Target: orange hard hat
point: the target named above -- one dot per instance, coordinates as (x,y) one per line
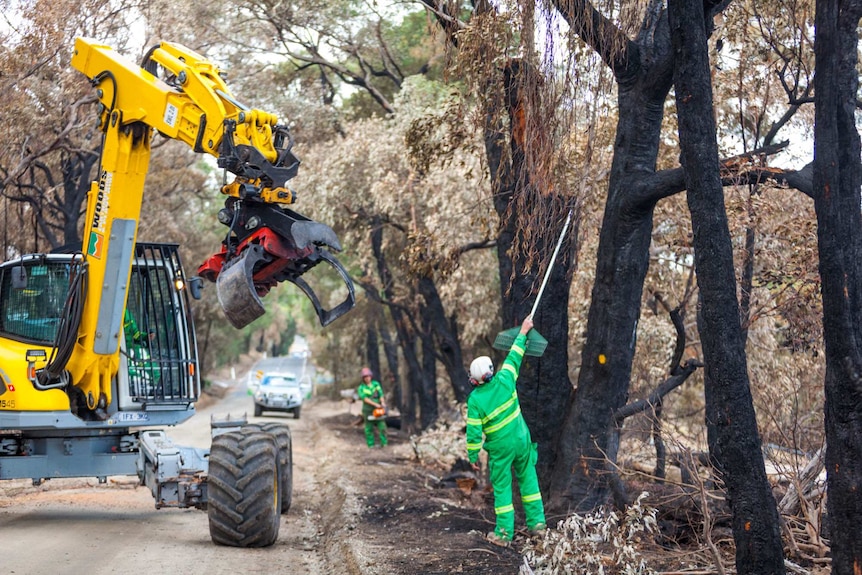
(367,372)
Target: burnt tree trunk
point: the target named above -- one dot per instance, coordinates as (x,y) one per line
(427,389)
(543,383)
(837,179)
(445,333)
(728,396)
(390,350)
(405,337)
(643,70)
(372,350)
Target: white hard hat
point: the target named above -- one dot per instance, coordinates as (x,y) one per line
(482,369)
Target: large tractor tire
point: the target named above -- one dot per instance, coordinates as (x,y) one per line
(284,442)
(243,489)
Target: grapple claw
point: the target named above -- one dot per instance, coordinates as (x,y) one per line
(328,316)
(271,245)
(235,288)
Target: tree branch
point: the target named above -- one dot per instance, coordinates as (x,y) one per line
(677,321)
(480,245)
(654,398)
(609,42)
(450,24)
(363,214)
(679,373)
(735,170)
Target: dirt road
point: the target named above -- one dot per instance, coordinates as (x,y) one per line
(355,511)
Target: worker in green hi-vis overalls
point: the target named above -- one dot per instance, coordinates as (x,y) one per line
(141,368)
(371,395)
(493,410)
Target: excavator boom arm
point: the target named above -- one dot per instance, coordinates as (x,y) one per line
(181,95)
(191,109)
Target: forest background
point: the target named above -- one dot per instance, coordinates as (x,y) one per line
(445,143)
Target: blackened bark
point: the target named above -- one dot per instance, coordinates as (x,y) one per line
(712,414)
(643,70)
(408,396)
(428,407)
(408,388)
(755,516)
(660,449)
(392,380)
(543,383)
(445,333)
(837,179)
(372,349)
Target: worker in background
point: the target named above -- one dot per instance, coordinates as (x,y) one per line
(493,410)
(371,395)
(137,350)
(132,333)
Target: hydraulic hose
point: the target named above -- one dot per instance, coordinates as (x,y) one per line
(54,375)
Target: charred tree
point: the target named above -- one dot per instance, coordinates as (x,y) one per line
(729,405)
(429,408)
(643,68)
(392,381)
(543,382)
(837,180)
(56,195)
(444,330)
(372,350)
(519,198)
(405,337)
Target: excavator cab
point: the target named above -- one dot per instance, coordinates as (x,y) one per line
(41,308)
(32,295)
(158,345)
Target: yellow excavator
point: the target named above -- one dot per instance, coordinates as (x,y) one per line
(98,346)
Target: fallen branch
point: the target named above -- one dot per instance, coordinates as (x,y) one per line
(803,484)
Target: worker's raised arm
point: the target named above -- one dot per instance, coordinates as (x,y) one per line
(512,364)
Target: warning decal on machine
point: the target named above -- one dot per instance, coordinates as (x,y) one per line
(171,113)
